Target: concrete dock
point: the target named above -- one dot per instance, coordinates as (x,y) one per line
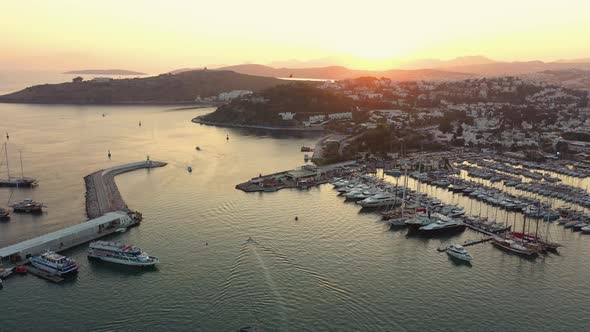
(104,206)
(102,194)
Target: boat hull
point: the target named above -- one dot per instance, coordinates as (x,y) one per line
(113,260)
(455,229)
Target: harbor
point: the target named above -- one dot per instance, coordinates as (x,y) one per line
(106,209)
(498,185)
(375,277)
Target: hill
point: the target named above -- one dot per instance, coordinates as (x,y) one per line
(104,72)
(263,108)
(165,88)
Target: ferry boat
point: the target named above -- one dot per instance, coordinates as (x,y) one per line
(115,252)
(55,264)
(459,252)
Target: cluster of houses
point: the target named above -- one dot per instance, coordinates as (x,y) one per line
(503,112)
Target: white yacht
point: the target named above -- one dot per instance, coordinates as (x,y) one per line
(115,252)
(459,252)
(378,200)
(54,264)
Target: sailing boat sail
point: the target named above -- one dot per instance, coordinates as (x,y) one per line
(21,181)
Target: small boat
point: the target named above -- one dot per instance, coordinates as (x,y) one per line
(198,148)
(250,240)
(54,264)
(121,230)
(20,269)
(189,169)
(4,214)
(459,252)
(305,149)
(115,252)
(28,206)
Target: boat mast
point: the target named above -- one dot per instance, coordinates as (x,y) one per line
(7,167)
(22,173)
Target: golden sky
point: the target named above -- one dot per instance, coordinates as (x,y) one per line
(160,35)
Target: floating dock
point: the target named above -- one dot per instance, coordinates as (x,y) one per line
(102,194)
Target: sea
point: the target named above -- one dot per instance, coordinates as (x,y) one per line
(335,268)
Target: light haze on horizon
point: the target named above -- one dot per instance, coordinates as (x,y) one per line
(156,36)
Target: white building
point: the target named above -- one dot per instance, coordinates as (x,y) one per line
(340,116)
(227,96)
(317,118)
(287,116)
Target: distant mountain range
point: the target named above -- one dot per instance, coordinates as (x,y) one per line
(104,72)
(166,88)
(425,69)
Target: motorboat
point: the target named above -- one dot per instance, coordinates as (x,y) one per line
(442,226)
(115,252)
(54,264)
(379,200)
(27,206)
(459,252)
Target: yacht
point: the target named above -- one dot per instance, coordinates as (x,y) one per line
(378,200)
(457,251)
(55,264)
(115,252)
(442,226)
(513,246)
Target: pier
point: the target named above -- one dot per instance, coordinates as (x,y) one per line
(105,207)
(102,194)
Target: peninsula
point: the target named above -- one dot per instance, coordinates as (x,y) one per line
(183,88)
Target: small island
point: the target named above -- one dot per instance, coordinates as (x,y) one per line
(121,72)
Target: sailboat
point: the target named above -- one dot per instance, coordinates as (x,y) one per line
(21,181)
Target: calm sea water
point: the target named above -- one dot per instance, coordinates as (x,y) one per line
(333,269)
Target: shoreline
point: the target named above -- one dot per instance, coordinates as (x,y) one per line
(220,124)
(132,103)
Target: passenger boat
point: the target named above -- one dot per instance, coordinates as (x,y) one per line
(54,264)
(115,252)
(27,206)
(459,252)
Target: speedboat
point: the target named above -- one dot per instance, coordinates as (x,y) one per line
(115,252)
(54,264)
(459,252)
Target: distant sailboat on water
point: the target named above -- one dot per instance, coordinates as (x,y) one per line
(21,181)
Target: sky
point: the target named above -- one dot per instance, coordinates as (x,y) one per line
(157,36)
